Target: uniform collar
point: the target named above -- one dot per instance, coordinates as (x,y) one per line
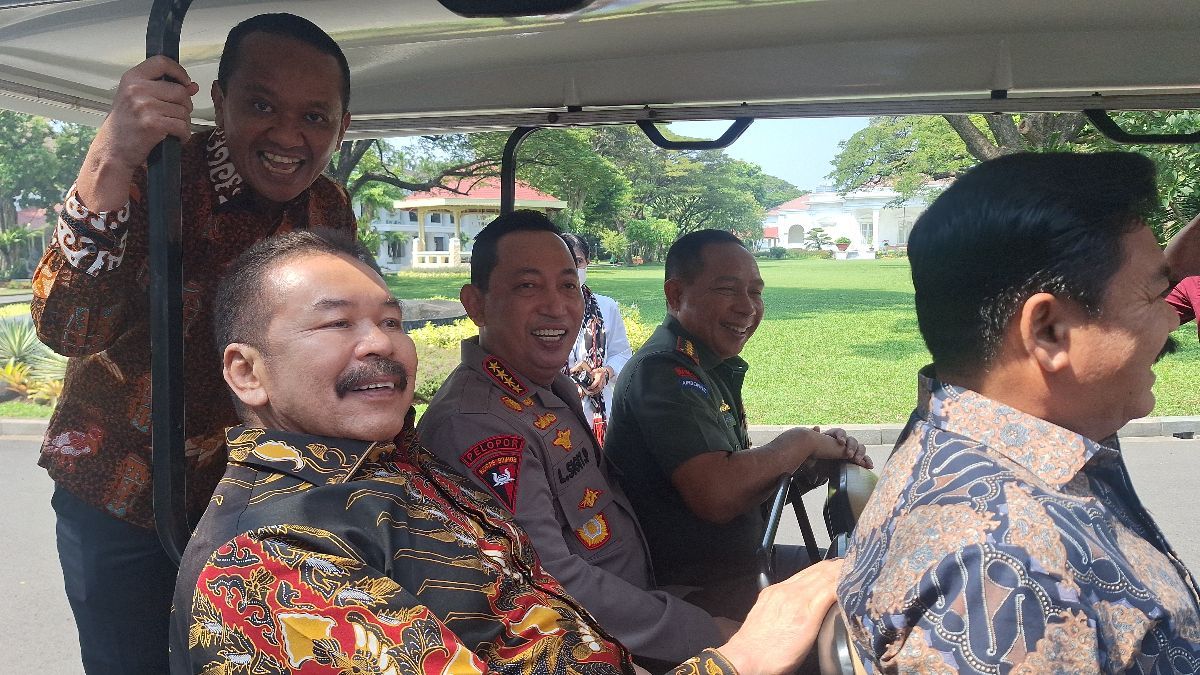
(1050,452)
(313,459)
(510,381)
(697,351)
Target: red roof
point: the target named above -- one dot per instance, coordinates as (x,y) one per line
(770,233)
(798,204)
(486,188)
(34,219)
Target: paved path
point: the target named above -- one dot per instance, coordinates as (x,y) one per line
(37,633)
(16,297)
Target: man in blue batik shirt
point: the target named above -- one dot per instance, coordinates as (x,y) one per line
(1005,535)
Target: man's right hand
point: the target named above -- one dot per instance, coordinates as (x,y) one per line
(783,624)
(146,110)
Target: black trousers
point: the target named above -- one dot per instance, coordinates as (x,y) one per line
(119,583)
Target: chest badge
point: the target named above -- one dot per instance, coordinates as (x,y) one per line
(590,497)
(594,533)
(543,422)
(511,404)
(562,438)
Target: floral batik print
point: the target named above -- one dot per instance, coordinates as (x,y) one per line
(90,302)
(997,542)
(331,556)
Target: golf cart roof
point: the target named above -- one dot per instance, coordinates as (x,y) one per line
(418,67)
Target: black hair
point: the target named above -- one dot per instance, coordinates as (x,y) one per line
(577,244)
(287,25)
(238,309)
(485,250)
(1015,226)
(685,257)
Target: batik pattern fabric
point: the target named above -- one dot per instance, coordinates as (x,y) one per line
(91,303)
(997,542)
(332,556)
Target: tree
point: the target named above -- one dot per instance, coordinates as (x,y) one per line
(39,160)
(816,239)
(432,161)
(909,152)
(650,237)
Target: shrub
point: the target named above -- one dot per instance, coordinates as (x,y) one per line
(435,364)
(18,340)
(15,377)
(804,254)
(842,240)
(46,391)
(444,337)
(635,330)
(777,252)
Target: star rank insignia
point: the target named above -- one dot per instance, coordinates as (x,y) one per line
(562,438)
(543,422)
(590,497)
(511,404)
(497,371)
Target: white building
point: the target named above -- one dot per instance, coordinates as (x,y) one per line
(434,229)
(871,219)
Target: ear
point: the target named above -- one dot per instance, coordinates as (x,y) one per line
(243,371)
(345,126)
(1044,324)
(472,300)
(218,98)
(673,288)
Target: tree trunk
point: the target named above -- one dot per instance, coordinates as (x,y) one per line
(978,144)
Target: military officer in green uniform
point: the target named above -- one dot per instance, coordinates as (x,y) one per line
(509,418)
(678,434)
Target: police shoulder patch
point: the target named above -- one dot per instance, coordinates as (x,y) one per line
(496,462)
(594,533)
(496,370)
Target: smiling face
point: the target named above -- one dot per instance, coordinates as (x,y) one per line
(282,114)
(334,359)
(1112,356)
(533,307)
(722,306)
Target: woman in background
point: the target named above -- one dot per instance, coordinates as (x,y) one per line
(601,349)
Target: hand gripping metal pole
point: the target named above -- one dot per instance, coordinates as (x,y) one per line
(166,305)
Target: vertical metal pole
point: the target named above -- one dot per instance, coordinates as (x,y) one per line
(508,168)
(166,305)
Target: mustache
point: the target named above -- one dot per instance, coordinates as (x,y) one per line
(1171,346)
(373,370)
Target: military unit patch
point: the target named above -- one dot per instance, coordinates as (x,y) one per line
(497,371)
(689,380)
(543,422)
(687,348)
(594,533)
(496,461)
(511,404)
(590,497)
(562,438)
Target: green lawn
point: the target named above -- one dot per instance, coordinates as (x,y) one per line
(839,343)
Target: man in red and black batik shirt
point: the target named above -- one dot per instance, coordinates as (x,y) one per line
(258,173)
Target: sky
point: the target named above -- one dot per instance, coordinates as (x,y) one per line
(798,151)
